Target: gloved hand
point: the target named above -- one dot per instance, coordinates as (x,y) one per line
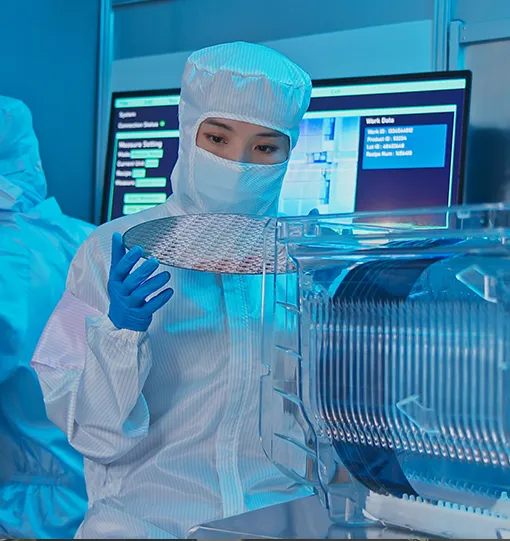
(324,230)
(128,290)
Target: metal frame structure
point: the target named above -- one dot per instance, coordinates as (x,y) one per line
(105,61)
(451,37)
(442,18)
(462,35)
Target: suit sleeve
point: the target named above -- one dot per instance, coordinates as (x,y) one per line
(91,373)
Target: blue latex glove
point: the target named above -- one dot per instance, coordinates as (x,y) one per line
(128,290)
(325,230)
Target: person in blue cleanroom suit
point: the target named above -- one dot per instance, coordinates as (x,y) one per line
(42,490)
(162,396)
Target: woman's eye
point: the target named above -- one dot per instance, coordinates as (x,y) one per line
(216,139)
(267,149)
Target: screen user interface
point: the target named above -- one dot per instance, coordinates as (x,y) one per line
(377,146)
(365,145)
(144,140)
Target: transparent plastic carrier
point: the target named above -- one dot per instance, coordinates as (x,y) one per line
(387,351)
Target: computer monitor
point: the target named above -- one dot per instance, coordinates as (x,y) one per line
(142,151)
(380,143)
(366,144)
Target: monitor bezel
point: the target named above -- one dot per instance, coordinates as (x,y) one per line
(318,83)
(111,130)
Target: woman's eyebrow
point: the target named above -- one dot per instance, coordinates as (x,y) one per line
(270,134)
(219,124)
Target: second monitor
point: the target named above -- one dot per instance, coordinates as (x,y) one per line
(380,143)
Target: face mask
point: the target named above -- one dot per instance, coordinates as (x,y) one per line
(224,186)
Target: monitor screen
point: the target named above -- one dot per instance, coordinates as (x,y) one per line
(368,144)
(380,143)
(142,151)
